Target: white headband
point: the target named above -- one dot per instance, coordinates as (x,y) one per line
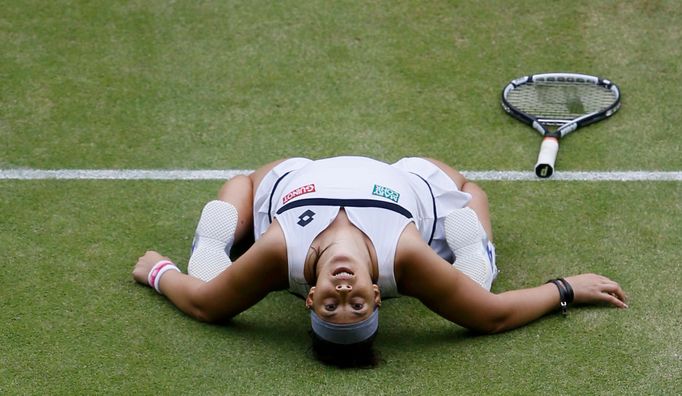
(345,333)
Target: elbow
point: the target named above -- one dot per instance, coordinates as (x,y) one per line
(490,326)
(201,309)
(497,326)
(497,320)
(208,315)
(203,315)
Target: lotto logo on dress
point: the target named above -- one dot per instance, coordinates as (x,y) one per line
(298,192)
(385,192)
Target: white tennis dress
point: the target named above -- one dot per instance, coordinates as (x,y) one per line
(380,199)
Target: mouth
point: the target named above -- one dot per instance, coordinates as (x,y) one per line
(343,273)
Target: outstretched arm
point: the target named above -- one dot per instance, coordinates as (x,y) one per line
(249,279)
(421,273)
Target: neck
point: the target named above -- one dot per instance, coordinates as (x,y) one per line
(341,238)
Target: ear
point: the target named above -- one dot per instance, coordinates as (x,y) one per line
(377,295)
(309,298)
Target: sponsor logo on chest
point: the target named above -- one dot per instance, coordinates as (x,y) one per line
(298,192)
(385,192)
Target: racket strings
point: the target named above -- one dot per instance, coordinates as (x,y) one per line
(560,101)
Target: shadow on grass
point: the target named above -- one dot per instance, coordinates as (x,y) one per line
(279,324)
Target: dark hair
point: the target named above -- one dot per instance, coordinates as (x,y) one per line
(358,355)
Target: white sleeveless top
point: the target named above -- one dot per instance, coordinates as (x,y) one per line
(377,199)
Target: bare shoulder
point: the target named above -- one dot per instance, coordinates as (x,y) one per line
(416,264)
(259,271)
(423,274)
(266,260)
(410,244)
(273,242)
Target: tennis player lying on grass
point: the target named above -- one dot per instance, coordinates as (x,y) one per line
(344,232)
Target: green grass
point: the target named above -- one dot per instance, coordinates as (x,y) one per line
(151,84)
(72,317)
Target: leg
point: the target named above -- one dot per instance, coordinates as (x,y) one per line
(469,232)
(259,174)
(479,199)
(239,191)
(479,204)
(225,227)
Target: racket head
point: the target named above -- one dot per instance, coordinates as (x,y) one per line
(563,101)
(556,104)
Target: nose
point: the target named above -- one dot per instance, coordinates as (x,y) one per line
(344,288)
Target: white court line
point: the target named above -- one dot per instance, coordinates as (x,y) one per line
(120,174)
(180,174)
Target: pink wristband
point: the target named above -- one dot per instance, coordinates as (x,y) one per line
(157,270)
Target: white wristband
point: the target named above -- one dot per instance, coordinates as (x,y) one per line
(157,271)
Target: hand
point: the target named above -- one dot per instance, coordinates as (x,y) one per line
(145,264)
(593,289)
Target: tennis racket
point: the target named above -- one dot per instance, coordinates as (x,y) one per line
(556,104)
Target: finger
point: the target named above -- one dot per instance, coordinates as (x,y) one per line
(613,300)
(614,289)
(612,293)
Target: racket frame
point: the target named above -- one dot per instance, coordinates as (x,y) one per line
(549,147)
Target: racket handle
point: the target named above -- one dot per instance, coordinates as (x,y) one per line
(548,151)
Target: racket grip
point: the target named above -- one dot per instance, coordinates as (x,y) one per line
(548,152)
